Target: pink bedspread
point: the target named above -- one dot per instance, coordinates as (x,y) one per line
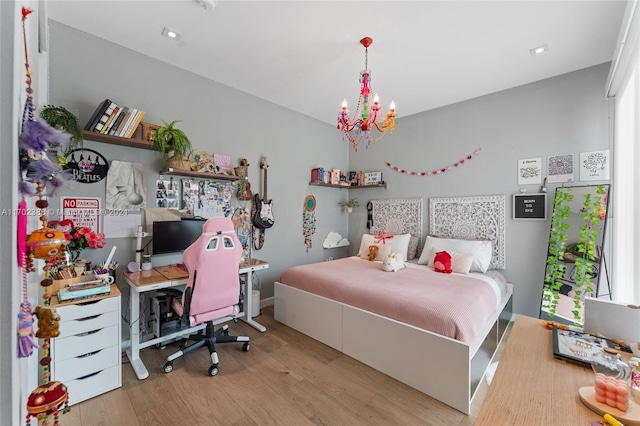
(452,305)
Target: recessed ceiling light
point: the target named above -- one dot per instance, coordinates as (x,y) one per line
(168,32)
(539,50)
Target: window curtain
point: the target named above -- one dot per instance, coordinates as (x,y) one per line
(624,86)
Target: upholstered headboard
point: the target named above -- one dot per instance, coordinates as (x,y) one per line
(471,218)
(399,216)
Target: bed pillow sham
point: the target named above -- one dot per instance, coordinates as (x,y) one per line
(480,250)
(399,244)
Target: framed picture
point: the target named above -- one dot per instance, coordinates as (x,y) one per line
(594,165)
(560,168)
(530,206)
(577,347)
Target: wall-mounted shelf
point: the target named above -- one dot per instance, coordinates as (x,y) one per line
(379,185)
(202,175)
(117,140)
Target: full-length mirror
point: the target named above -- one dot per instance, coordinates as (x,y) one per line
(574,257)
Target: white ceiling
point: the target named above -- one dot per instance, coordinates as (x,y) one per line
(306,55)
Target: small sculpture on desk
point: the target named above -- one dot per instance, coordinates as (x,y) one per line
(48,322)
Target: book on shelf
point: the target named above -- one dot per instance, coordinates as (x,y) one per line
(107,125)
(135,122)
(114,126)
(127,126)
(105,118)
(97,114)
(117,126)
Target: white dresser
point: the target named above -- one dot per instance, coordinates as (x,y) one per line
(86,357)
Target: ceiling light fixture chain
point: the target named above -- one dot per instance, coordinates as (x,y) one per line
(365,115)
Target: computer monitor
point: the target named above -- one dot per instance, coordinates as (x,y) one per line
(175,236)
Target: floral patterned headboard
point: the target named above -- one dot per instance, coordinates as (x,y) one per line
(472,218)
(399,216)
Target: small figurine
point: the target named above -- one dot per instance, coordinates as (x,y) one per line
(48,322)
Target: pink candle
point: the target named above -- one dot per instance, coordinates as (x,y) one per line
(611,391)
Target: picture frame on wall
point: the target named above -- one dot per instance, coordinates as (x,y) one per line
(530,171)
(560,168)
(530,206)
(594,165)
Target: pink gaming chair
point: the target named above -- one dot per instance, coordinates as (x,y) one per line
(212,292)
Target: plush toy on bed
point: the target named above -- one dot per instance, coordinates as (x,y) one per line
(442,262)
(393,262)
(373,252)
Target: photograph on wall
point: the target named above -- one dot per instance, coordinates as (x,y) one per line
(560,168)
(530,171)
(206,198)
(167,194)
(125,186)
(594,165)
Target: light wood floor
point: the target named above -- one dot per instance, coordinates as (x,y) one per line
(286,378)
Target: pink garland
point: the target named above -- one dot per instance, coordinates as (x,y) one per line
(435,172)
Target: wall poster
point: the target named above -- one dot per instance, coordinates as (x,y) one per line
(594,165)
(560,168)
(207,198)
(530,171)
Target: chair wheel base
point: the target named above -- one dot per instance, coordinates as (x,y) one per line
(246,347)
(168,367)
(213,370)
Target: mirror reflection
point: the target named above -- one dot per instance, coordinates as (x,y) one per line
(574,257)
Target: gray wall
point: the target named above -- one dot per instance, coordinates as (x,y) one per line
(567,114)
(85,70)
(562,115)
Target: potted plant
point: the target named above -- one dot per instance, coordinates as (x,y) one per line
(60,118)
(350,204)
(170,136)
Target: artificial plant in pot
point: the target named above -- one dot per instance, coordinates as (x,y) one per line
(350,204)
(60,118)
(169,136)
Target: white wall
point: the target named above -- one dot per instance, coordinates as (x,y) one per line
(567,114)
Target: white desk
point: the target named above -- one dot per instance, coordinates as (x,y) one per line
(153,280)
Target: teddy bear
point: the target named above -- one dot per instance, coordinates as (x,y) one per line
(48,325)
(442,262)
(393,262)
(373,252)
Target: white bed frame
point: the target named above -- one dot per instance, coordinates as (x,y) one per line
(443,368)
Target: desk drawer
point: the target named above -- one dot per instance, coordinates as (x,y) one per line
(96,384)
(80,366)
(88,309)
(80,344)
(85,324)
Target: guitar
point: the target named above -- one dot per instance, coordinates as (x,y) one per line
(244,193)
(263,209)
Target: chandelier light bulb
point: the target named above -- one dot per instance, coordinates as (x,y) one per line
(376,99)
(344,103)
(392,107)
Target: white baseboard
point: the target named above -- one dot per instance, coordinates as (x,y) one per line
(266,302)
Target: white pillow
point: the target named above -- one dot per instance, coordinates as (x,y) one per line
(460,262)
(383,251)
(481,251)
(399,244)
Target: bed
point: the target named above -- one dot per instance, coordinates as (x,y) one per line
(396,322)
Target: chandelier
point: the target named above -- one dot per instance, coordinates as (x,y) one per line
(366,116)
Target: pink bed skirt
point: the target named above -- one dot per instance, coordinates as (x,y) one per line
(452,305)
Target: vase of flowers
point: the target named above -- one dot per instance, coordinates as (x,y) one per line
(78,238)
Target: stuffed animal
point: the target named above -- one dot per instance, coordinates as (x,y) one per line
(442,262)
(393,263)
(47,322)
(373,252)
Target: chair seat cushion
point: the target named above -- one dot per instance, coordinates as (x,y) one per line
(228,311)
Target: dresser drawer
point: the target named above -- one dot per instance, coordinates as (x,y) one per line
(88,309)
(80,344)
(83,365)
(95,384)
(85,324)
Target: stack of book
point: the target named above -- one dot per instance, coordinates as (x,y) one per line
(112,119)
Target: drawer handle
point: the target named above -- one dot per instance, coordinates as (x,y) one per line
(89,318)
(89,375)
(87,333)
(91,302)
(89,354)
